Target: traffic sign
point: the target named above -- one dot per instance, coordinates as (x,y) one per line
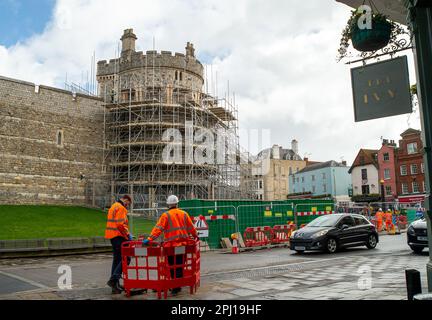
(201,226)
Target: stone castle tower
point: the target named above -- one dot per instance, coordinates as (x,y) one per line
(139,71)
(146,95)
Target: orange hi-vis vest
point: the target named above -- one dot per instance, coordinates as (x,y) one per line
(379,216)
(176,226)
(117,222)
(388,217)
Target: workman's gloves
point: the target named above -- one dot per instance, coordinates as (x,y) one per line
(146,242)
(130,237)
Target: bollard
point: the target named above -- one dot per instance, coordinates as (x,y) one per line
(413,283)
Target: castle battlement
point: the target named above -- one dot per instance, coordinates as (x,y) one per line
(152,58)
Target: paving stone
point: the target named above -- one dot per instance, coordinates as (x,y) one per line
(244,292)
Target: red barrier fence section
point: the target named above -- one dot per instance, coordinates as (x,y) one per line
(282,234)
(160,268)
(258,236)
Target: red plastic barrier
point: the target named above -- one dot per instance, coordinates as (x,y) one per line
(258,236)
(282,234)
(402,221)
(155,267)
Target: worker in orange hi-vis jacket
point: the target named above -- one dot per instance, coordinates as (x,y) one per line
(389,220)
(177,227)
(117,231)
(379,218)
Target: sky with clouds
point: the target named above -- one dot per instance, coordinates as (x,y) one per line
(278,55)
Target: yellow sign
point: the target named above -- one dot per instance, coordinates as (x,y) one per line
(211,211)
(290,213)
(268,214)
(314,209)
(278,215)
(329,208)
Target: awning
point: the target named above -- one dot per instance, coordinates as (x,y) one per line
(412,198)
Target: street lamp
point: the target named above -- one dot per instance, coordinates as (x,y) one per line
(382,194)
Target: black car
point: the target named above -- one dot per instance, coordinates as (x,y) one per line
(417,235)
(332,232)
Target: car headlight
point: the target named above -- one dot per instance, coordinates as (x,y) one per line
(293,234)
(411,231)
(320,234)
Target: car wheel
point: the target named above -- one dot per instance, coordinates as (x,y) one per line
(372,242)
(332,245)
(417,249)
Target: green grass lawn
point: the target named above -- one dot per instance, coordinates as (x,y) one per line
(35,222)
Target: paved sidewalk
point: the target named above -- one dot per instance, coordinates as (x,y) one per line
(330,279)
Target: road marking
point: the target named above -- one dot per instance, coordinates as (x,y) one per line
(272,266)
(31,282)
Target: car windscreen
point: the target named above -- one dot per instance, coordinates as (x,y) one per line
(325,221)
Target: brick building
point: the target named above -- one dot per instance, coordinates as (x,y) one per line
(410,167)
(387,169)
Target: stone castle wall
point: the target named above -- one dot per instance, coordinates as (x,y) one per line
(36,167)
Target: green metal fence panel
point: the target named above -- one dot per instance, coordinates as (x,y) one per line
(221,221)
(411,215)
(264,215)
(308,211)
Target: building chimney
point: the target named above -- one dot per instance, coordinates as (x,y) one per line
(190,50)
(344,163)
(294,146)
(276,152)
(306,159)
(128,40)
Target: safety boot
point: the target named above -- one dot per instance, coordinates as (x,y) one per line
(115,286)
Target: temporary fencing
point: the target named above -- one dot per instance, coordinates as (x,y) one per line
(258,236)
(282,234)
(307,212)
(221,221)
(266,214)
(160,268)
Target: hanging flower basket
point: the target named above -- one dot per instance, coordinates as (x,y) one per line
(383,33)
(371,39)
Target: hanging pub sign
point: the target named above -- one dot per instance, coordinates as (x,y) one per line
(381,89)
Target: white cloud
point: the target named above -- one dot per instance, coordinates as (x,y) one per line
(278,55)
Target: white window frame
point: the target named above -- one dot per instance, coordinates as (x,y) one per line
(388,177)
(403,189)
(414,165)
(415,183)
(403,172)
(386,190)
(413,151)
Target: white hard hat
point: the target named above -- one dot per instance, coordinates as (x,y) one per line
(172,200)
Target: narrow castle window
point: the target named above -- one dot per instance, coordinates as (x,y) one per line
(181,76)
(176,75)
(60,138)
